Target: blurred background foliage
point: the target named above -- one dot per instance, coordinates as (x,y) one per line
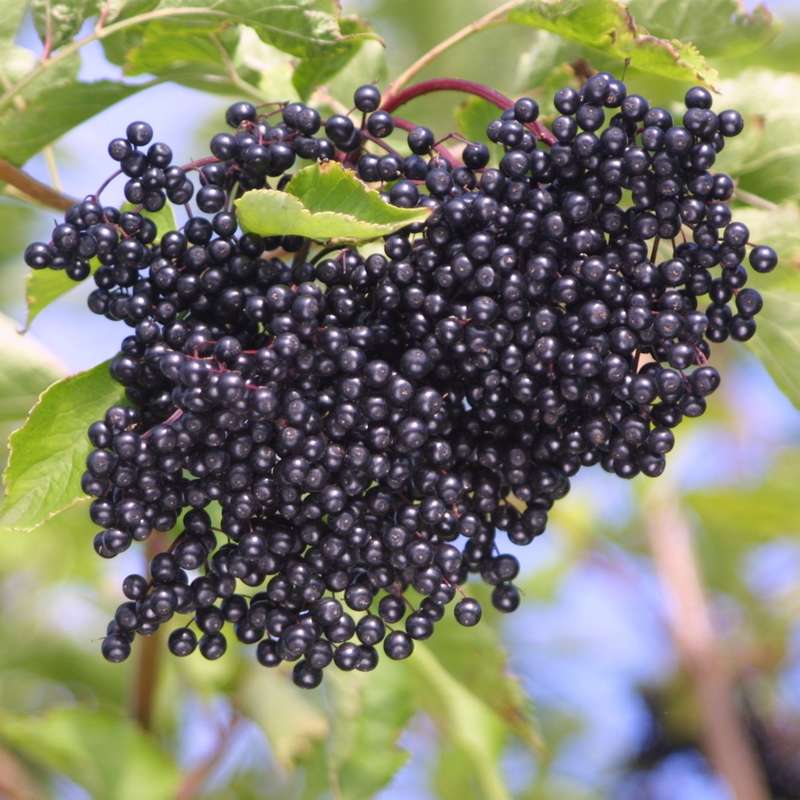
(584,693)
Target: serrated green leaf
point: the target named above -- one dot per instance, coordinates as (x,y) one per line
(48,453)
(318,68)
(104,752)
(719,28)
(194,52)
(44,286)
(608,26)
(26,368)
(60,20)
(323,202)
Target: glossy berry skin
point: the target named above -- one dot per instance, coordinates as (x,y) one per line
(468,612)
(398,645)
(139,133)
(239,113)
(115,649)
(367,98)
(182,642)
(38,255)
(505,598)
(763,259)
(305,676)
(420,140)
(361,420)
(380,124)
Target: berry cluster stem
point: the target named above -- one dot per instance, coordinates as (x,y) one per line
(400,98)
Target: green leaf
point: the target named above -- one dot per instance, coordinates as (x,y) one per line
(473,116)
(60,20)
(44,286)
(54,94)
(22,133)
(367,65)
(367,713)
(54,663)
(607,25)
(465,722)
(752,514)
(104,752)
(719,28)
(777,340)
(488,677)
(26,368)
(324,202)
(544,66)
(48,452)
(190,51)
(779,227)
(303,28)
(11,15)
(781,55)
(63,550)
(290,720)
(736,519)
(764,157)
(320,67)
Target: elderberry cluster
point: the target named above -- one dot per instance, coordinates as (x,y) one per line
(340,439)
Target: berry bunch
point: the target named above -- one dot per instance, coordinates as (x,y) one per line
(378,427)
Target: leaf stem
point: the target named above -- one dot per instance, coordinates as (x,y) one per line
(468,30)
(404,96)
(233,75)
(34,189)
(103,31)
